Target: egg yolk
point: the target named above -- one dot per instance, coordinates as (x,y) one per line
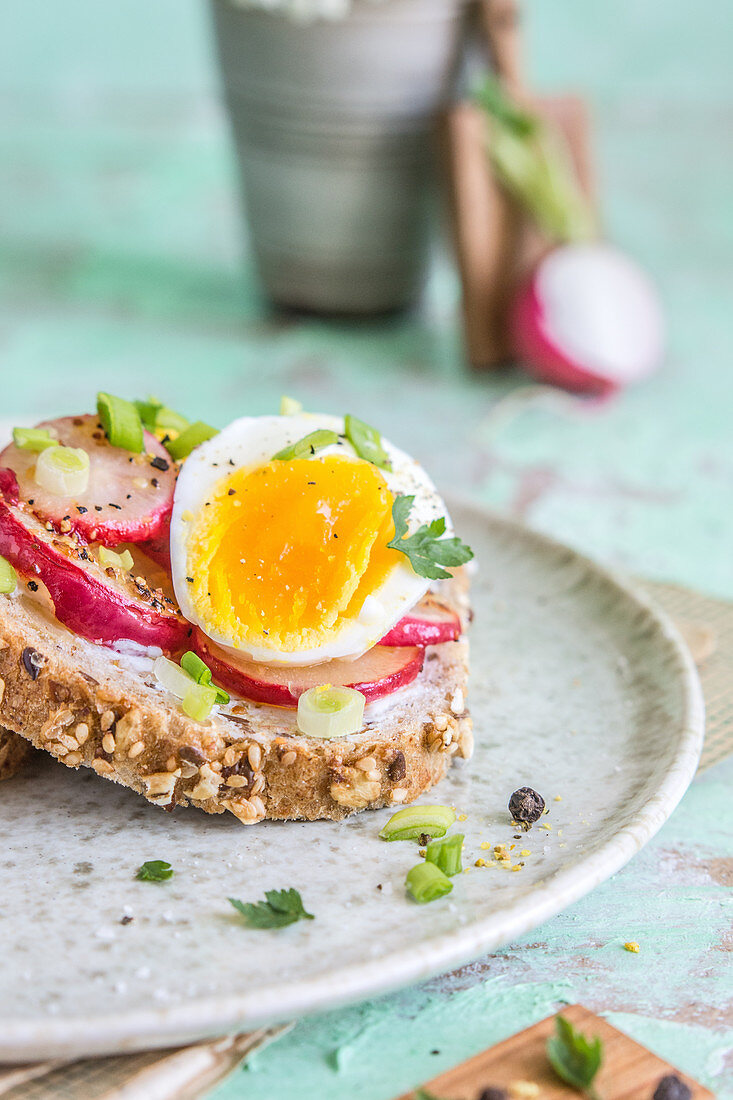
(284,553)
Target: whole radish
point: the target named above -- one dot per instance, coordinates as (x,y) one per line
(586,317)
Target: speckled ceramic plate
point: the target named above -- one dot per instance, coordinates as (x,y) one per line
(578,688)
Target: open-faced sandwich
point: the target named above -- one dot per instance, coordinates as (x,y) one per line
(267,620)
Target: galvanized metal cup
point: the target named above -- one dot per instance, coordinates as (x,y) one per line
(332,121)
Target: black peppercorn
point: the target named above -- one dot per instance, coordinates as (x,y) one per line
(526,805)
(424,839)
(671,1088)
(493,1094)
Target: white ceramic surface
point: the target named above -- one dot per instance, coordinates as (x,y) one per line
(578,689)
(332,123)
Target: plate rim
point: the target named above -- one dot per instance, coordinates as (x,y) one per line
(199,1018)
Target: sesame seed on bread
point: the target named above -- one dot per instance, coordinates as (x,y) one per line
(91,706)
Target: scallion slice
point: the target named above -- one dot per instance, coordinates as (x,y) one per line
(445,853)
(8,577)
(195,667)
(33,439)
(173,678)
(117,561)
(198,701)
(179,681)
(289,406)
(366,441)
(201,673)
(426,882)
(413,821)
(308,445)
(193,436)
(167,419)
(63,471)
(121,422)
(147,410)
(330,711)
(157,417)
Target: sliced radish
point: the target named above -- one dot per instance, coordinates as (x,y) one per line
(588,319)
(103,605)
(379,672)
(429,623)
(129,497)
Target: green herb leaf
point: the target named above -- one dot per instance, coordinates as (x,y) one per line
(575,1059)
(427,551)
(281,907)
(308,445)
(154,870)
(366,441)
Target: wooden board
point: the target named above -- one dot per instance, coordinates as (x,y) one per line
(495,245)
(629,1071)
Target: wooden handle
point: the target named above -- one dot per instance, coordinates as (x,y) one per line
(498,22)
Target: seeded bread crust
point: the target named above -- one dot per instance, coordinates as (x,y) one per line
(91,707)
(14,751)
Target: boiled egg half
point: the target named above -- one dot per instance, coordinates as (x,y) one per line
(285,560)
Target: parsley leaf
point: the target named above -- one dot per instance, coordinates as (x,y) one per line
(427,551)
(154,870)
(575,1059)
(280,908)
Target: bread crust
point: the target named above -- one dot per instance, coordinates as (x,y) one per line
(89,706)
(14,751)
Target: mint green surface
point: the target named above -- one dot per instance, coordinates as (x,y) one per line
(121,269)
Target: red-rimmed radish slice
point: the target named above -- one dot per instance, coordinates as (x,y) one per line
(429,623)
(129,497)
(102,604)
(380,671)
(8,485)
(588,319)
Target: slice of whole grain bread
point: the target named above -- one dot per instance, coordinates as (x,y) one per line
(91,706)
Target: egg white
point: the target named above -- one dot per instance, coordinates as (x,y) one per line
(252,441)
